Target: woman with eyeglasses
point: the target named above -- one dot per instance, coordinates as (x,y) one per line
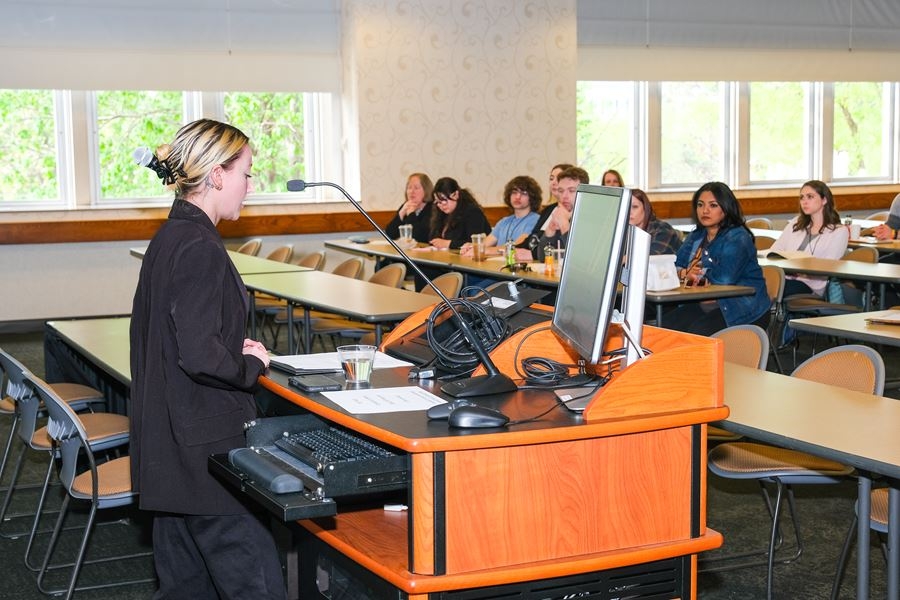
(720,250)
(523,196)
(457,217)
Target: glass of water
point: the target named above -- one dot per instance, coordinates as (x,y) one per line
(357,361)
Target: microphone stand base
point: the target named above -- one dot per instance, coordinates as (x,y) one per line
(482,385)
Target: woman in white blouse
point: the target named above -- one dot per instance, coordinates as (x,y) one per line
(816,230)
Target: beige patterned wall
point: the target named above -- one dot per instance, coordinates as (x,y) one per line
(479,90)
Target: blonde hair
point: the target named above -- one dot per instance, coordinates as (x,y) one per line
(197,148)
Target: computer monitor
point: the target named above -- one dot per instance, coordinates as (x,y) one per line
(600,254)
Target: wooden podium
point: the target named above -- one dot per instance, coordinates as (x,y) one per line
(619,487)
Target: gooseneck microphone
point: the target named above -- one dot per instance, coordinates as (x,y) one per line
(494,382)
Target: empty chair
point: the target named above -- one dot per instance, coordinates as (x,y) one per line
(352,268)
(281,253)
(324,323)
(449,283)
(250,247)
(881,215)
(763,242)
(104,484)
(759,223)
(24,423)
(854,367)
(746,345)
(313,260)
(878,522)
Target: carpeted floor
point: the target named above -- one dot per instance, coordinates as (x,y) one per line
(734,508)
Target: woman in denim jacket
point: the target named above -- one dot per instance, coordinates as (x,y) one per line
(720,250)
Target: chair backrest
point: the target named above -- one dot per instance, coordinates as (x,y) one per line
(862,254)
(881,215)
(19,391)
(759,223)
(281,253)
(449,283)
(774,276)
(853,366)
(391,275)
(746,345)
(65,429)
(251,247)
(352,268)
(313,260)
(763,242)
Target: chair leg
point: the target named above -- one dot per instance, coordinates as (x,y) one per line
(9,441)
(51,545)
(37,518)
(842,560)
(17,470)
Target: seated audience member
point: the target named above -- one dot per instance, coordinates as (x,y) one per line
(664,239)
(720,251)
(817,230)
(415,210)
(456,217)
(555,232)
(523,195)
(551,201)
(890,228)
(612,178)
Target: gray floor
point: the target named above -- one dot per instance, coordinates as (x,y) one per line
(734,509)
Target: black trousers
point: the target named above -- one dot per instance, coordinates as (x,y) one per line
(210,557)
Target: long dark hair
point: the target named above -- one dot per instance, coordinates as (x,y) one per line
(649,215)
(830,216)
(440,221)
(734,216)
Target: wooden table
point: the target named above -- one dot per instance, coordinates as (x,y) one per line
(246,264)
(94,352)
(880,273)
(854,428)
(852,326)
(450,260)
(493,268)
(315,290)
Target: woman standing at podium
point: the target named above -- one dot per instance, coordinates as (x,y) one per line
(192,377)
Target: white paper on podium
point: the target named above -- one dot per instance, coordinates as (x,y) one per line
(324,362)
(383,400)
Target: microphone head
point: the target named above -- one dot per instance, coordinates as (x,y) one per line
(142,156)
(296,185)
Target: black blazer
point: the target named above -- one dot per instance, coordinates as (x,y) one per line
(421,224)
(190,389)
(465,220)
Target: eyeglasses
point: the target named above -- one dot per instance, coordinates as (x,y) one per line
(519,192)
(441,198)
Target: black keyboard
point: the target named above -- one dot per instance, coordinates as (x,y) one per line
(335,462)
(328,445)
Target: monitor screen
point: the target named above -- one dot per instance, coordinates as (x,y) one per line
(590,273)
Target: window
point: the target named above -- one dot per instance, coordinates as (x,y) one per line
(29,144)
(862,130)
(126,120)
(747,134)
(275,124)
(780,140)
(692,132)
(606,127)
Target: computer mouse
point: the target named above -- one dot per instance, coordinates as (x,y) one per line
(442,411)
(476,416)
(358,239)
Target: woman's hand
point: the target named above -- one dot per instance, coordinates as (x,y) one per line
(440,243)
(254,348)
